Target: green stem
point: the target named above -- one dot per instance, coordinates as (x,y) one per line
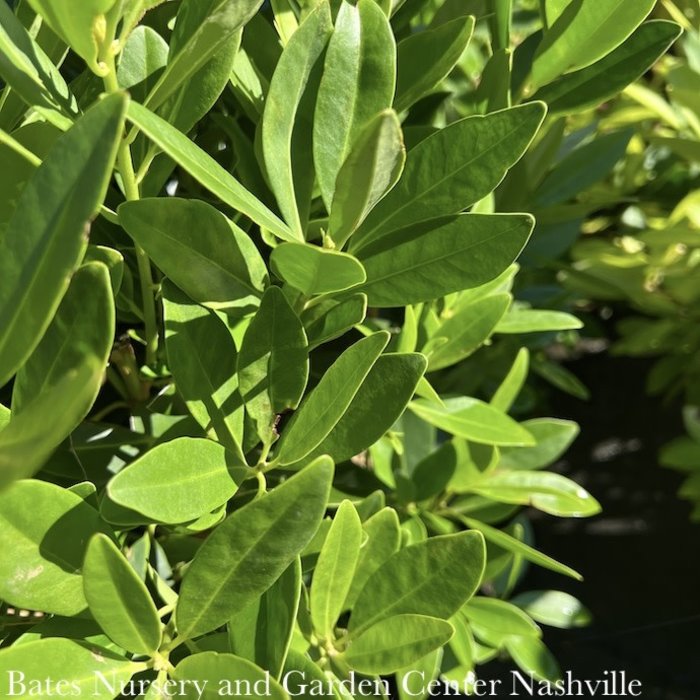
(131,191)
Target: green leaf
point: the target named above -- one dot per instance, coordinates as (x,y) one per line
(313,270)
(118,599)
(302,675)
(44,531)
(205,169)
(466,331)
(551,493)
(69,661)
(373,166)
(510,387)
(30,437)
(273,364)
(583,34)
(397,642)
(30,73)
(249,551)
(46,236)
(452,169)
(216,23)
(178,481)
(359,79)
(222,674)
(378,404)
(383,540)
(523,320)
(553,436)
(82,26)
(435,258)
(511,544)
(492,620)
(286,91)
(327,403)
(427,57)
(143,57)
(330,318)
(435,577)
(533,657)
(335,568)
(202,357)
(212,260)
(262,632)
(82,330)
(604,79)
(553,608)
(473,420)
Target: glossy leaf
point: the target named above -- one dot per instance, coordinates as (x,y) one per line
(223,268)
(510,387)
(202,357)
(205,169)
(524,320)
(313,270)
(533,657)
(452,169)
(178,481)
(553,608)
(436,577)
(329,319)
(435,258)
(466,331)
(427,57)
(69,661)
(358,82)
(249,551)
(397,642)
(335,569)
(603,79)
(492,620)
(554,436)
(44,531)
(81,331)
(328,402)
(118,599)
(273,364)
(46,236)
(551,493)
(286,91)
(473,420)
(213,671)
(387,388)
(583,34)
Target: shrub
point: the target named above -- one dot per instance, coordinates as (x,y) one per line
(295,458)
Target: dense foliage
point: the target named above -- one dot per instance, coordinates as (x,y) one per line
(271,414)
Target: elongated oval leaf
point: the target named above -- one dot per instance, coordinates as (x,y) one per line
(434,577)
(273,365)
(313,270)
(249,551)
(553,608)
(473,420)
(202,357)
(44,531)
(397,642)
(554,436)
(212,260)
(335,569)
(45,239)
(583,34)
(504,397)
(358,82)
(329,319)
(212,672)
(328,402)
(373,166)
(82,327)
(69,661)
(205,169)
(118,599)
(452,169)
(435,258)
(552,493)
(427,57)
(286,91)
(178,481)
